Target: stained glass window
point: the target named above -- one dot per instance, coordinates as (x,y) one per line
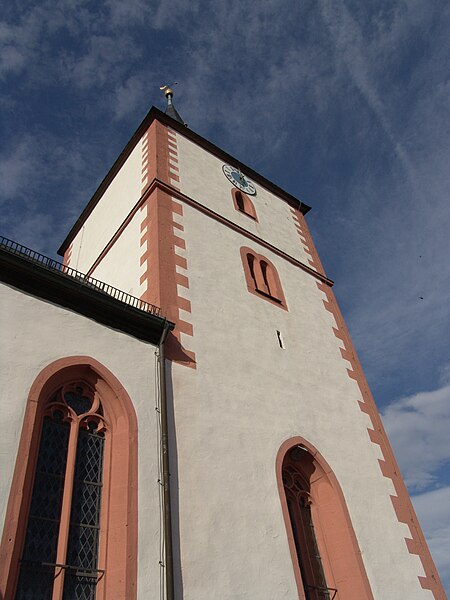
(71,415)
(41,539)
(82,551)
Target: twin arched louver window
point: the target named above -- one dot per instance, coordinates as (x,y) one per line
(63,526)
(243,204)
(262,277)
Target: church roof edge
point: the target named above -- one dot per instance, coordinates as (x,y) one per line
(155,113)
(45,280)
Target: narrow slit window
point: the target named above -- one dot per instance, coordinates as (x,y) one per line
(280,339)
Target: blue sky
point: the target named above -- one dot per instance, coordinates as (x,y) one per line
(343,103)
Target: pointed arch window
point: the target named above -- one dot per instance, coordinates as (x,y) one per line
(325,554)
(243,204)
(71,522)
(262,277)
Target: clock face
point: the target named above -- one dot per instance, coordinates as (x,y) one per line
(239,180)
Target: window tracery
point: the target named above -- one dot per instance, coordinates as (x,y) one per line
(76,410)
(60,553)
(299,503)
(326,558)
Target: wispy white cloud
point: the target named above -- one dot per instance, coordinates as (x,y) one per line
(102,63)
(419,429)
(17,168)
(253,72)
(124,14)
(444,374)
(96,56)
(11,60)
(130,95)
(42,187)
(34,230)
(352,52)
(394,210)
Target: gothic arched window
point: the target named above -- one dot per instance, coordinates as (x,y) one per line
(243,204)
(71,523)
(262,277)
(325,554)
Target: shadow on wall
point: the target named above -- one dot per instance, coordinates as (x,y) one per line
(174,485)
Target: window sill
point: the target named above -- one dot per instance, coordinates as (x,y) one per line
(248,215)
(268,296)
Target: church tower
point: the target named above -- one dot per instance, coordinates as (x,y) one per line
(282,481)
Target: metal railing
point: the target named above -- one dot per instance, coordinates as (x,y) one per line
(90,282)
(78,571)
(321,593)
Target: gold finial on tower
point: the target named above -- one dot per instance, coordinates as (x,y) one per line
(171,110)
(168,92)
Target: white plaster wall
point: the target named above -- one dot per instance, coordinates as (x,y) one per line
(202,179)
(111,210)
(121,265)
(35,333)
(246,397)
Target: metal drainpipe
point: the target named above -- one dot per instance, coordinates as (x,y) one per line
(167,521)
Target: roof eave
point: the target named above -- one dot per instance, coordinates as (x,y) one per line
(65,291)
(155,113)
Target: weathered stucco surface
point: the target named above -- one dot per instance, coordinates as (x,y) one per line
(109,213)
(248,395)
(40,333)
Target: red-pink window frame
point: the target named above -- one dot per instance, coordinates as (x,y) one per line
(256,282)
(336,538)
(119,510)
